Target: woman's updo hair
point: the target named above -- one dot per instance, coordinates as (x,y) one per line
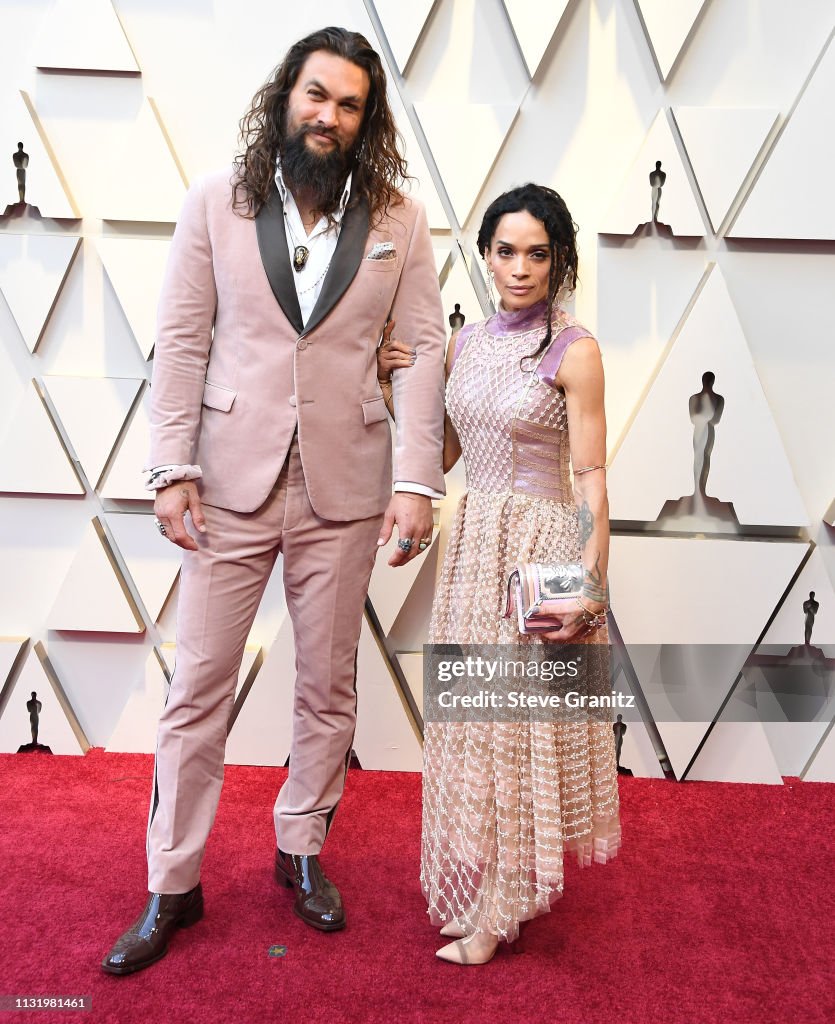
(546,206)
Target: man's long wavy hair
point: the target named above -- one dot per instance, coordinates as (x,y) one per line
(379,170)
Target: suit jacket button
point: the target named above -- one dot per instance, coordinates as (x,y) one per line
(301,345)
(292,400)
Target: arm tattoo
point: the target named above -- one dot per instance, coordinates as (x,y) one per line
(593,586)
(586,523)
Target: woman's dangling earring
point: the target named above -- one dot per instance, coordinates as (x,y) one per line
(490,292)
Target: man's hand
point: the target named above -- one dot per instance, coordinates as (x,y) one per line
(171,504)
(412,514)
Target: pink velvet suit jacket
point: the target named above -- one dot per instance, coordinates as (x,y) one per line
(234,370)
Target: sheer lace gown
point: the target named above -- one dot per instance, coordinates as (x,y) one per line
(502,802)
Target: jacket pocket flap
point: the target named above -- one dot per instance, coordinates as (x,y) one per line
(374,410)
(217,397)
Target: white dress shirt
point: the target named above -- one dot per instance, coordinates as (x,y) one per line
(321,245)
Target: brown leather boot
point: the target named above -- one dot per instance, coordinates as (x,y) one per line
(318,902)
(147,940)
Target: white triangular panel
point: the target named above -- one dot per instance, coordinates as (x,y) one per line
(738,134)
(736,752)
(792,197)
(689,583)
(136,730)
(141,180)
(643,291)
(92,597)
(44,186)
(58,727)
(32,270)
(793,742)
(125,479)
(822,765)
(251,662)
(699,634)
(152,561)
(92,411)
(403,24)
(389,586)
(668,23)
(263,728)
(458,287)
(534,25)
(453,129)
(748,465)
(385,739)
(795,696)
(787,629)
(10,648)
(83,35)
(32,458)
(637,752)
(411,664)
(421,184)
(632,207)
(135,267)
(442,253)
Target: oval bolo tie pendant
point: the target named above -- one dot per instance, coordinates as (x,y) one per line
(300,254)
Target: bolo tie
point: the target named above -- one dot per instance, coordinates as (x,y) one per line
(300,253)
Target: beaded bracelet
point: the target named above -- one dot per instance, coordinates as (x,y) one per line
(590,618)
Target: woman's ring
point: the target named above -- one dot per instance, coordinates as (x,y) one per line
(405,543)
(161,528)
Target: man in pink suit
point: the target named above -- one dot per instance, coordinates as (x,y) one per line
(269,433)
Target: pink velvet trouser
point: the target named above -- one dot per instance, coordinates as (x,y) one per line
(327,566)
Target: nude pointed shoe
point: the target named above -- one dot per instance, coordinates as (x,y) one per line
(470,951)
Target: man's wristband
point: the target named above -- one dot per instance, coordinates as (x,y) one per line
(164,476)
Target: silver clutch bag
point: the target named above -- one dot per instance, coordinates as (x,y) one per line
(531,583)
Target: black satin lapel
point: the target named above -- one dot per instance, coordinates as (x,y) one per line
(345,263)
(272,244)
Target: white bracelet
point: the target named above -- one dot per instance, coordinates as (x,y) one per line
(163,476)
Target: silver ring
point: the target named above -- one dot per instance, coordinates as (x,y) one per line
(405,543)
(161,528)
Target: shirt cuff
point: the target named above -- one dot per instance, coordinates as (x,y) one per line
(405,485)
(162,476)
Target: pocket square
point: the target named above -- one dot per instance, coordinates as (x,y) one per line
(383,251)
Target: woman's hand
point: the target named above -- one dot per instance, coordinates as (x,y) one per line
(574,627)
(392,354)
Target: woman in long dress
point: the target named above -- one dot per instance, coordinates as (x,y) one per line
(504,801)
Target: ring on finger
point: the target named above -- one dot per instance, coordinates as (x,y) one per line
(405,544)
(161,527)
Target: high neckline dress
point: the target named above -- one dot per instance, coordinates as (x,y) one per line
(504,802)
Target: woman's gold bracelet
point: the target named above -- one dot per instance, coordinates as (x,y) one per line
(589,617)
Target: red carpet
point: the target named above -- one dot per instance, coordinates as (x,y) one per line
(718,908)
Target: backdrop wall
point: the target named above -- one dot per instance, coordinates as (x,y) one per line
(120,104)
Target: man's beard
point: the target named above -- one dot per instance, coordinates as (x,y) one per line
(320,177)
